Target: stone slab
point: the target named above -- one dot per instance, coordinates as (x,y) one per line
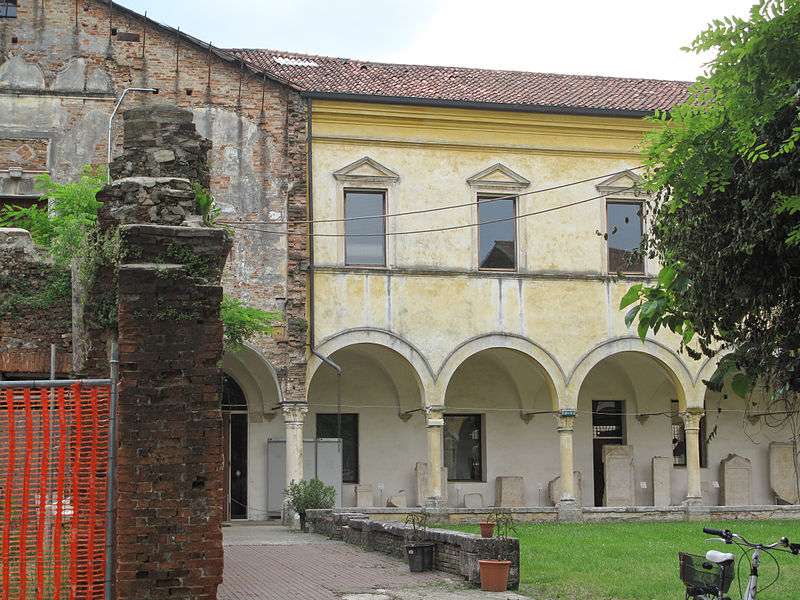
(782,472)
(554,489)
(473,500)
(509,491)
(735,477)
(398,500)
(662,474)
(364,496)
(421,472)
(618,466)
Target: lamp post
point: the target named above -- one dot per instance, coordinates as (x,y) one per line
(111,122)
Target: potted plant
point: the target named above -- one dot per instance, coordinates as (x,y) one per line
(494,571)
(304,495)
(418,549)
(487,526)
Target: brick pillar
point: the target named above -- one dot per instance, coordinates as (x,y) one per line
(169,511)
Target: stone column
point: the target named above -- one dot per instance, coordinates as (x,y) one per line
(568,509)
(434,422)
(293,415)
(691,424)
(565,429)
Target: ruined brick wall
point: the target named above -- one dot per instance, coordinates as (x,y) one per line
(67,62)
(169,492)
(32,314)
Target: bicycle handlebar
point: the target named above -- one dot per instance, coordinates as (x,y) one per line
(728,536)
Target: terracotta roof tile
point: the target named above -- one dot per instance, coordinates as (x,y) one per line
(324,74)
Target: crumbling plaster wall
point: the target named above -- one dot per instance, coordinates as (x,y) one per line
(62,69)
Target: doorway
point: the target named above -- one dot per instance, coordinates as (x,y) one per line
(234,439)
(607,428)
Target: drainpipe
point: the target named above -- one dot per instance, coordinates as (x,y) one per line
(311,297)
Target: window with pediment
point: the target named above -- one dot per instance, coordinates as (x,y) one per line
(496,190)
(366,185)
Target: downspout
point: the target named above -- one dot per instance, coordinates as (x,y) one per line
(311,296)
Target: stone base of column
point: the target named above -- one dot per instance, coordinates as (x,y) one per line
(695,509)
(434,503)
(569,511)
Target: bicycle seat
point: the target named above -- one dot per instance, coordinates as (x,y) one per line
(718,557)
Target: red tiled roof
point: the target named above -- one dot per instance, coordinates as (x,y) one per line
(324,74)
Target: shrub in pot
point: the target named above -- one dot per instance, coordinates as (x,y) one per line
(309,494)
(418,549)
(494,571)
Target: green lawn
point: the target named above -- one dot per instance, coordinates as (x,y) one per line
(638,561)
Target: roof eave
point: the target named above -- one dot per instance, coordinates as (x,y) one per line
(538,108)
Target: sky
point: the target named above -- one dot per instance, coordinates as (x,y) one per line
(621,38)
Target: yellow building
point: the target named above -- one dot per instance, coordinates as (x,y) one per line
(468,230)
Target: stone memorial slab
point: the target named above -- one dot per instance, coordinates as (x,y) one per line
(554,489)
(509,491)
(662,473)
(364,496)
(782,472)
(618,467)
(398,500)
(473,500)
(421,470)
(735,474)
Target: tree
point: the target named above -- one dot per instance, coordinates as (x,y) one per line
(724,174)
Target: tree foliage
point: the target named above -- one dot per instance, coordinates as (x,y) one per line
(61,227)
(724,174)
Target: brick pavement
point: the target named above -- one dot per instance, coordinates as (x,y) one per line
(316,571)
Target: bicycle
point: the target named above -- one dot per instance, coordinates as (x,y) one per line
(709,577)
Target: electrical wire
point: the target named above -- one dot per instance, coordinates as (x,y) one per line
(430,230)
(433,209)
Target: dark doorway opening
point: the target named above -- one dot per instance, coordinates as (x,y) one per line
(607,421)
(234,435)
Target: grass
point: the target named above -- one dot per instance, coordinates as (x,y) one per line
(639,561)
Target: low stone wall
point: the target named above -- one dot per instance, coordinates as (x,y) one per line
(592,514)
(456,552)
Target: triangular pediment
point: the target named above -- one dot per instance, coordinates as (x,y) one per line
(498,176)
(625,182)
(366,170)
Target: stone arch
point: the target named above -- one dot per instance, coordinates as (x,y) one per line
(258,379)
(547,365)
(674,367)
(365,335)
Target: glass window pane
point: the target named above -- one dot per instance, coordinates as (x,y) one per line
(462,447)
(368,248)
(326,428)
(496,240)
(624,236)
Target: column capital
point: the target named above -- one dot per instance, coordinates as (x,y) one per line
(294,413)
(434,416)
(566,419)
(691,417)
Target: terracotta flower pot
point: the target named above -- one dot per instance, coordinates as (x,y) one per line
(487,528)
(494,575)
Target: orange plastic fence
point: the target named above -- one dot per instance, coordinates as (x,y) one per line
(53,481)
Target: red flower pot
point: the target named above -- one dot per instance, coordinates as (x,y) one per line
(487,528)
(494,575)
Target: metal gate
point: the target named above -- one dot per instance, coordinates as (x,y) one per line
(54,442)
